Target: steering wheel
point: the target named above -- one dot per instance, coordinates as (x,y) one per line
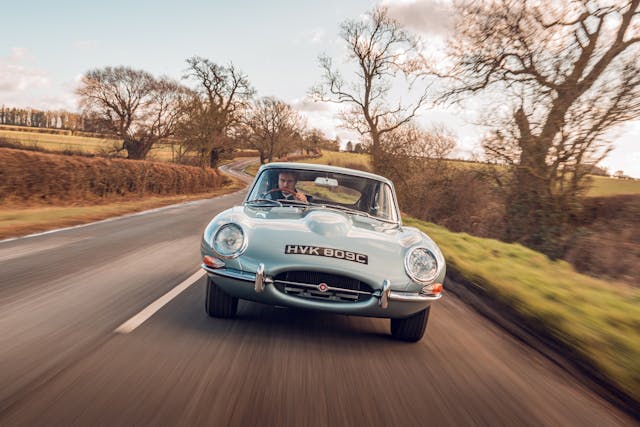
(282,190)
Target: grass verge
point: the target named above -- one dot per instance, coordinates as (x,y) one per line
(252,169)
(597,321)
(23,220)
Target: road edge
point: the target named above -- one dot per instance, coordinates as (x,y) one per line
(540,340)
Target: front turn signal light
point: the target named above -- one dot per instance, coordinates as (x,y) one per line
(434,289)
(212,262)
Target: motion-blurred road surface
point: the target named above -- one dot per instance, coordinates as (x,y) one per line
(64,294)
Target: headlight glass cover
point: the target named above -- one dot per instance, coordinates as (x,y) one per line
(421,265)
(229,241)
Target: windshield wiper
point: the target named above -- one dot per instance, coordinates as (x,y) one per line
(263,202)
(294,202)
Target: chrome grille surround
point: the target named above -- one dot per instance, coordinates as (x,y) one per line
(335,288)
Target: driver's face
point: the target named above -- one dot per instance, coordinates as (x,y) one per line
(287,180)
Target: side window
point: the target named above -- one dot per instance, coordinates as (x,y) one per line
(263,185)
(385,203)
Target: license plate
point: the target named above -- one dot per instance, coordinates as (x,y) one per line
(326,252)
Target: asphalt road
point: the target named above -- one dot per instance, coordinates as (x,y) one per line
(64,294)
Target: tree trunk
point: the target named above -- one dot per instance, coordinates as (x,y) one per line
(135,150)
(214,156)
(535,216)
(377,157)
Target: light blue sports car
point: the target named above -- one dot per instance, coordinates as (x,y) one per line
(322,238)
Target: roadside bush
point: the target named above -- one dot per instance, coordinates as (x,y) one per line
(607,239)
(457,197)
(38,177)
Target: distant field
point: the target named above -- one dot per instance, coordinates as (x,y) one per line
(30,129)
(347,160)
(602,185)
(61,142)
(605,186)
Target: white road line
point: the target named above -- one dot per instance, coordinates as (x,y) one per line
(152,308)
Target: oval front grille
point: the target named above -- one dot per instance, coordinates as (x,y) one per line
(322,286)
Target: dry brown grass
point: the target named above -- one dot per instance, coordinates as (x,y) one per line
(28,219)
(50,178)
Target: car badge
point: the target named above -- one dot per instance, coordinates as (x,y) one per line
(323,287)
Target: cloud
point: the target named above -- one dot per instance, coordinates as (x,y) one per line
(17,53)
(24,85)
(16,75)
(429,17)
(316,36)
(307,105)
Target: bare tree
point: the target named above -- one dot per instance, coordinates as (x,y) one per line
(222,96)
(133,105)
(385,56)
(412,148)
(271,126)
(563,74)
(312,141)
(435,143)
(164,112)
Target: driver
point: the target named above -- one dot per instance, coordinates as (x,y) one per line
(287,188)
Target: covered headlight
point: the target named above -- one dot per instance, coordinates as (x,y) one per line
(421,265)
(229,241)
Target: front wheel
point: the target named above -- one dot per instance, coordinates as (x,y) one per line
(218,303)
(412,328)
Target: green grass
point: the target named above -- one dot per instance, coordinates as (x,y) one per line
(605,186)
(598,320)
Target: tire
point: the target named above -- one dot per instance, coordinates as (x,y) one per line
(218,303)
(412,328)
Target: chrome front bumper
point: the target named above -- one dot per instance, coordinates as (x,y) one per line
(260,281)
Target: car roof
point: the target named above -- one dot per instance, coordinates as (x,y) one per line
(324,168)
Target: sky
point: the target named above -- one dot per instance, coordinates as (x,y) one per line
(46,47)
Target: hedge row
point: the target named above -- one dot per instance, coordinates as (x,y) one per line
(33,176)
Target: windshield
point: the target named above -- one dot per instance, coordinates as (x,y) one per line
(374,198)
